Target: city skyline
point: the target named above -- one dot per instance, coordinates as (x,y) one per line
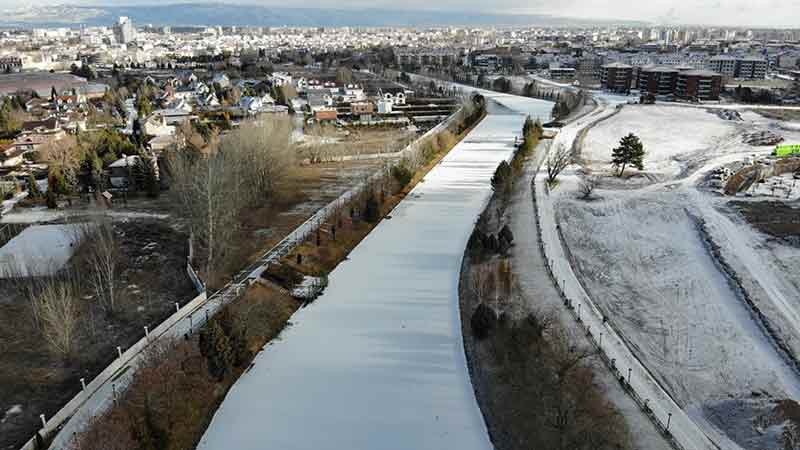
(760,13)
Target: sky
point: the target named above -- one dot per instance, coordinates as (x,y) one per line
(777,13)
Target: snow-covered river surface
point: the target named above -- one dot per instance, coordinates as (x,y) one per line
(377,361)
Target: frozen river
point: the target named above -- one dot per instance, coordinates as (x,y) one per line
(377,361)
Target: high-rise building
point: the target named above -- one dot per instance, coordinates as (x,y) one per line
(124,30)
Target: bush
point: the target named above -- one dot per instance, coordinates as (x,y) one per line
(51,200)
(475,244)
(402,174)
(506,234)
(483,321)
(372,212)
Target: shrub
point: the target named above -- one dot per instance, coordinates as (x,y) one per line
(402,174)
(372,210)
(475,244)
(506,234)
(50,199)
(483,321)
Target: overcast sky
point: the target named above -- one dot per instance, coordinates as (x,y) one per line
(778,13)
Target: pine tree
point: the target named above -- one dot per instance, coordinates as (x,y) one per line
(216,347)
(33,189)
(146,179)
(630,152)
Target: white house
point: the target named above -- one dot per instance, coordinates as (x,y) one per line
(156,125)
(395,99)
(384,107)
(281,78)
(209,100)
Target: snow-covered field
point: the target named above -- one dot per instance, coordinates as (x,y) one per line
(646,262)
(38,250)
(669,134)
(648,269)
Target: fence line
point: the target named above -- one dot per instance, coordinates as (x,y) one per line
(196,281)
(200,309)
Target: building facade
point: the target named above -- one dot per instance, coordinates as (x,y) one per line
(124,31)
(657,80)
(698,85)
(739,68)
(616,77)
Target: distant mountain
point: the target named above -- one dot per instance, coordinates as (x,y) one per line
(189,14)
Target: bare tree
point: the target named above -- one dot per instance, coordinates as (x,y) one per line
(57,308)
(209,192)
(63,154)
(587,186)
(103,259)
(264,153)
(558,160)
(214,181)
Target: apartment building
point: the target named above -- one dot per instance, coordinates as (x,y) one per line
(616,77)
(699,85)
(747,68)
(657,80)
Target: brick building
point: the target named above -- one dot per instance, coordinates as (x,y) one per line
(657,80)
(698,84)
(616,77)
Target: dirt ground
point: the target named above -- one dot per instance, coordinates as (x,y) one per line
(775,218)
(33,381)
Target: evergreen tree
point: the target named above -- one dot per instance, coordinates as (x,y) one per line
(630,152)
(146,179)
(237,335)
(8,125)
(216,347)
(33,188)
(502,177)
(372,210)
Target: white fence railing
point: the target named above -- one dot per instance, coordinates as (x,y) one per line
(199,310)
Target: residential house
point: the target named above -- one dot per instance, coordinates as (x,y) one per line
(326,115)
(10,155)
(222,80)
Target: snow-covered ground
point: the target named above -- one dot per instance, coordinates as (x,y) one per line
(378,357)
(40,214)
(649,271)
(645,261)
(38,250)
(669,134)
